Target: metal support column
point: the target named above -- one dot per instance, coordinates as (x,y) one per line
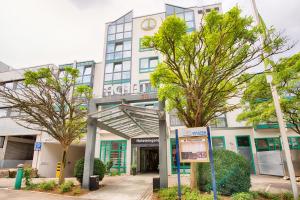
(90,147)
(163,162)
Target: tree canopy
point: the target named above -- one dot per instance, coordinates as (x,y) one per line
(201,70)
(257,99)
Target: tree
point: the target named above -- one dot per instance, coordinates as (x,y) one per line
(257,99)
(203,69)
(52,105)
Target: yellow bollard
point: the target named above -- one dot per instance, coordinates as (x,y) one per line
(58,169)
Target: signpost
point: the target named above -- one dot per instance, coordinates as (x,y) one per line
(194,145)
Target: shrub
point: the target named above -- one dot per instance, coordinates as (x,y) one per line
(27,176)
(242,196)
(168,193)
(232,173)
(66,186)
(47,186)
(109,165)
(99,169)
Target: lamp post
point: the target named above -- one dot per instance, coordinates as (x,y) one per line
(281,122)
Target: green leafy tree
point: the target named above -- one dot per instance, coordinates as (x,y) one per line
(202,70)
(257,99)
(52,105)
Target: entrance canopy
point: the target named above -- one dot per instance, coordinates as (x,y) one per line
(129,121)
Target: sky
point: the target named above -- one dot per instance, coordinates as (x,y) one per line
(36,32)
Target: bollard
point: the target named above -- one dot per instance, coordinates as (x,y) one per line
(19,176)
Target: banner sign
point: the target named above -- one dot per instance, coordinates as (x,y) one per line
(190,132)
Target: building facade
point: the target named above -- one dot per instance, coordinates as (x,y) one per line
(126,69)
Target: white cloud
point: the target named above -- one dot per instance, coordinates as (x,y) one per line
(34,32)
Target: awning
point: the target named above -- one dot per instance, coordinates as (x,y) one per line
(129,121)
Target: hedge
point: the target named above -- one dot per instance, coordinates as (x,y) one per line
(99,169)
(232,173)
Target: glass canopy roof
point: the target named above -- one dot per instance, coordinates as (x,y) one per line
(129,121)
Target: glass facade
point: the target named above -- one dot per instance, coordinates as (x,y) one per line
(114,150)
(117,74)
(184,13)
(267,144)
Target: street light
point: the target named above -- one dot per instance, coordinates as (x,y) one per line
(281,123)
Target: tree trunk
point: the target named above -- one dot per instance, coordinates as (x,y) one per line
(193,176)
(63,166)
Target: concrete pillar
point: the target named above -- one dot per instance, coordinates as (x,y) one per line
(128,157)
(163,155)
(90,147)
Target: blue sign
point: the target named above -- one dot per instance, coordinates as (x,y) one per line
(190,132)
(37,146)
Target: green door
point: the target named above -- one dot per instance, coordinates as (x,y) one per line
(244,148)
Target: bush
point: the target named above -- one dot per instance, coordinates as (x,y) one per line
(47,186)
(27,176)
(232,173)
(99,169)
(187,194)
(242,196)
(109,165)
(66,186)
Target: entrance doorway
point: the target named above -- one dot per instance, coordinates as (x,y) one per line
(244,148)
(149,159)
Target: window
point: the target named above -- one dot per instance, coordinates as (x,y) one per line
(117,71)
(111,29)
(109,68)
(218,142)
(127,45)
(2,139)
(3,112)
(119,47)
(118,67)
(110,48)
(127,27)
(126,65)
(219,122)
(142,47)
(114,150)
(184,13)
(120,28)
(267,144)
(294,142)
(148,64)
(145,87)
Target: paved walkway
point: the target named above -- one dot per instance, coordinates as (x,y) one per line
(123,188)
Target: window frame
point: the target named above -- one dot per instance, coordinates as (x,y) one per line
(148,69)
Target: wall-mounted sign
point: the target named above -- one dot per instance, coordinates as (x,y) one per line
(126,88)
(193,149)
(37,146)
(189,132)
(148,24)
(151,140)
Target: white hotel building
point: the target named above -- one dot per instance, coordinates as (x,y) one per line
(126,69)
